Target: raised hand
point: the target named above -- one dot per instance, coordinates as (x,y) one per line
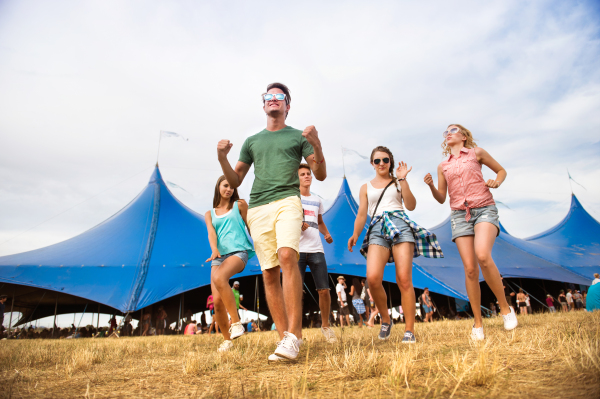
(328,238)
(402,170)
(428,179)
(223,148)
(491,183)
(311,135)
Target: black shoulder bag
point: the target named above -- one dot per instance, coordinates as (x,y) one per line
(375,211)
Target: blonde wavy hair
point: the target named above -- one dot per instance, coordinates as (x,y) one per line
(469,143)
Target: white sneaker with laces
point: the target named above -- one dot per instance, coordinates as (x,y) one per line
(273,357)
(510,320)
(289,346)
(477,334)
(225,346)
(329,335)
(236,330)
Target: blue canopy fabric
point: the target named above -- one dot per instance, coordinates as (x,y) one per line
(339,219)
(152,249)
(573,243)
(513,257)
(156,247)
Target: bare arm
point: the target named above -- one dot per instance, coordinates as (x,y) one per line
(212,237)
(236,176)
(243,207)
(410,202)
(486,159)
(352,290)
(438,193)
(361,217)
(323,230)
(316,161)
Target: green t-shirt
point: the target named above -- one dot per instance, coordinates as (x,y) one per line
(236,294)
(276,157)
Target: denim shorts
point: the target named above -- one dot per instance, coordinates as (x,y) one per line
(460,227)
(243,255)
(318,268)
(406,235)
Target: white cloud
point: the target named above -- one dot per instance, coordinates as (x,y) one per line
(87,86)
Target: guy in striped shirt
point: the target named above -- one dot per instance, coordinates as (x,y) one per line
(311,248)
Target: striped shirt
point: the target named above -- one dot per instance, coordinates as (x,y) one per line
(466,186)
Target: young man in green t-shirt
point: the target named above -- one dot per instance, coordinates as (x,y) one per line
(275,211)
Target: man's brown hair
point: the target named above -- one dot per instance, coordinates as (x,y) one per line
(305,166)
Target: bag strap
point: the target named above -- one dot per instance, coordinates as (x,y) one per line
(376,206)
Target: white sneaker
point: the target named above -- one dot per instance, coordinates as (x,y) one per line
(477,334)
(329,335)
(273,357)
(236,330)
(289,346)
(225,346)
(510,320)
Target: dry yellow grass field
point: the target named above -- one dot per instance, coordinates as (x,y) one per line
(547,356)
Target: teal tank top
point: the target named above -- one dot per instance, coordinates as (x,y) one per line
(231,232)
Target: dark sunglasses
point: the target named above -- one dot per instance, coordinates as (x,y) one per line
(385,160)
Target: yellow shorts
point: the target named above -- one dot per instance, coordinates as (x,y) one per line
(273,226)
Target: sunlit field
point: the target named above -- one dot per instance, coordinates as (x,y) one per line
(548,356)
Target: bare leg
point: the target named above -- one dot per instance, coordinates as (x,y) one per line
(341,320)
(220,315)
(485,235)
(377,257)
(275,301)
(292,289)
(324,306)
(374,312)
(466,249)
(219,277)
(403,256)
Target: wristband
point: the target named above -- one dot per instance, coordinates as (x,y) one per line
(318,163)
(403,179)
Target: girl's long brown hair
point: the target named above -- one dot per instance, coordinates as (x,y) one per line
(217,198)
(381,148)
(469,143)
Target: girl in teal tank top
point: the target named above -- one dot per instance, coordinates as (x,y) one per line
(231,249)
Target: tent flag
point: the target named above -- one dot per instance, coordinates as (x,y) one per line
(573,180)
(164,133)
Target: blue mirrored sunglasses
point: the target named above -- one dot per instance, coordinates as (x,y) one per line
(278,96)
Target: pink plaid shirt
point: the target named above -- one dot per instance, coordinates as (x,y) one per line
(466,186)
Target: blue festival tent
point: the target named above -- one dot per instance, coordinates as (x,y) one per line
(514,257)
(152,249)
(573,243)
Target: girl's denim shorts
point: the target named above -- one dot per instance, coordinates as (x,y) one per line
(460,227)
(243,255)
(406,235)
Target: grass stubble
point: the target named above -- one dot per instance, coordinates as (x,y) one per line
(547,356)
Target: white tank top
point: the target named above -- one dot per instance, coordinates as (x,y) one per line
(391,201)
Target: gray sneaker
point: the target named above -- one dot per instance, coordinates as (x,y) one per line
(409,338)
(386,330)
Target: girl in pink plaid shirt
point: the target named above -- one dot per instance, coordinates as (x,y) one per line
(474,218)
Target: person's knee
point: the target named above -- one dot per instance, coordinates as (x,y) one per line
(287,257)
(472,273)
(323,294)
(271,276)
(374,282)
(219,279)
(484,258)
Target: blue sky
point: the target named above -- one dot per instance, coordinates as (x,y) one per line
(85,88)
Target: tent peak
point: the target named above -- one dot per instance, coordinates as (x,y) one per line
(156,176)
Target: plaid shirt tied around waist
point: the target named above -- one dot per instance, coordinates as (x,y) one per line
(426,242)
